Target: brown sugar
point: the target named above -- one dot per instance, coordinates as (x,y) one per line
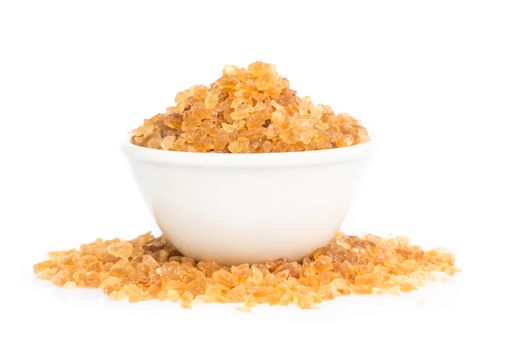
(150,268)
(249,110)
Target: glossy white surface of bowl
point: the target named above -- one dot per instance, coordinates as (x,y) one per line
(236,208)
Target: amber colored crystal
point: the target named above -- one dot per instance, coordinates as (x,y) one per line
(249,110)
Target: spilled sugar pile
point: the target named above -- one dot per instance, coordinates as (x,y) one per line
(150,268)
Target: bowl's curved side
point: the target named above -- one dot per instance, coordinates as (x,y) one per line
(246,214)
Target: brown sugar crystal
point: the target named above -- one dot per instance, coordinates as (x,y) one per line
(249,110)
(150,268)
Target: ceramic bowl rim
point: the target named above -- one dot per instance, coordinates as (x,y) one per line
(246,160)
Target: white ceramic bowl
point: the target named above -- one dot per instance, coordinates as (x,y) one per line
(236,208)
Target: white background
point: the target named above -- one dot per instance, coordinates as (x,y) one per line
(428,79)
